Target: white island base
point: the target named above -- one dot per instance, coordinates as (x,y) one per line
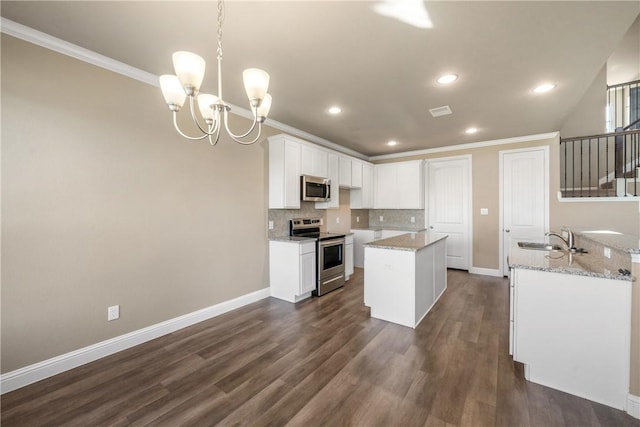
(404,276)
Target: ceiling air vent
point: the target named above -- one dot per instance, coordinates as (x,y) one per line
(440,111)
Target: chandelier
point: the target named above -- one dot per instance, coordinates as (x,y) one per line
(189,69)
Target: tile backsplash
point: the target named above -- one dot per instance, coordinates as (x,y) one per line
(396,217)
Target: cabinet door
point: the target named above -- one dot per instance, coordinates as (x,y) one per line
(291,175)
(367,186)
(410,185)
(385,186)
(356,174)
(348,260)
(345,172)
(313,162)
(307,272)
(333,173)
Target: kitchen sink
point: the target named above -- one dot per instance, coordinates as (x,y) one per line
(537,246)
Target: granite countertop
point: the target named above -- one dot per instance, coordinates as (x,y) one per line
(579,264)
(408,229)
(613,239)
(412,241)
(293,239)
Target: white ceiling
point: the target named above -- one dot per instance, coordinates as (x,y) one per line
(379,70)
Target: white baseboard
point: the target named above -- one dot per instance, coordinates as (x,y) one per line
(486,271)
(50,367)
(633,405)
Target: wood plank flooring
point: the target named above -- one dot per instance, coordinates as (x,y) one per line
(321,362)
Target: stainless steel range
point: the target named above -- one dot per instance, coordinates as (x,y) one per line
(329,253)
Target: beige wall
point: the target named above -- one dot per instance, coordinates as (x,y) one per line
(619,216)
(103,204)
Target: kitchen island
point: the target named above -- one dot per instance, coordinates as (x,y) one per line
(570,321)
(404,276)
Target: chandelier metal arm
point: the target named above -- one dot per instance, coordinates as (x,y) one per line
(212,141)
(237,138)
(193,138)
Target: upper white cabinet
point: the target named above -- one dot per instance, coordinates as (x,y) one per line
(345,172)
(284,173)
(362,198)
(356,174)
(399,185)
(333,173)
(314,162)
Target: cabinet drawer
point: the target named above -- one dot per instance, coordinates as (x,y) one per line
(307,247)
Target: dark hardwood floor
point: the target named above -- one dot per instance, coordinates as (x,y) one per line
(322,362)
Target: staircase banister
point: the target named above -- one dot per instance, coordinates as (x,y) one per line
(602,135)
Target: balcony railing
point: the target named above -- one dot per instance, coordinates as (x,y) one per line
(604,165)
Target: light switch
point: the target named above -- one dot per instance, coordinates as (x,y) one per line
(381,218)
(270,225)
(484,211)
(607,252)
(413,219)
(357,219)
(337,220)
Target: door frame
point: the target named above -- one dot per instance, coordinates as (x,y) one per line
(504,269)
(469,162)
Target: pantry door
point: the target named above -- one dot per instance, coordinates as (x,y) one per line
(449,206)
(524,197)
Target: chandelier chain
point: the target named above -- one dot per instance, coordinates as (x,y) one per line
(220,19)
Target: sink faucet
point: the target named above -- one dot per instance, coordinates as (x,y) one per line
(570,241)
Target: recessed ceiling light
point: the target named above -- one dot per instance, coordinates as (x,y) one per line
(447,78)
(334,110)
(544,88)
(392,143)
(471,130)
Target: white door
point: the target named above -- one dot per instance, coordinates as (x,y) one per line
(524,204)
(449,206)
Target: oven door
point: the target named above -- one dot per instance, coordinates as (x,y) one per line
(330,265)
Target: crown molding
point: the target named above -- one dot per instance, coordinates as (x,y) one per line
(471,145)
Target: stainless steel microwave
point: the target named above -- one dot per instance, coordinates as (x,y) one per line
(315,189)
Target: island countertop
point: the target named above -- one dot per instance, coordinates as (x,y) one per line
(412,241)
(579,264)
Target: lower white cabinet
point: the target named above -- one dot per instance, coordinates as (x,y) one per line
(572,333)
(348,256)
(360,237)
(292,269)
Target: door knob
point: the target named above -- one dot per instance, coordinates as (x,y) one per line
(507,230)
(431,227)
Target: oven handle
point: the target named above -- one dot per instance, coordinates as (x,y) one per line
(333,280)
(332,242)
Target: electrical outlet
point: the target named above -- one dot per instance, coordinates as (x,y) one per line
(270,225)
(113,312)
(413,220)
(357,219)
(337,220)
(381,218)
(607,252)
(484,211)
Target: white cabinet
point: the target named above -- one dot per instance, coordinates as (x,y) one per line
(284,173)
(292,269)
(399,185)
(313,161)
(356,174)
(386,186)
(363,198)
(572,333)
(360,237)
(345,172)
(333,173)
(348,257)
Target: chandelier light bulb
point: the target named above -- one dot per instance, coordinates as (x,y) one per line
(174,94)
(256,83)
(265,106)
(189,68)
(206,102)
